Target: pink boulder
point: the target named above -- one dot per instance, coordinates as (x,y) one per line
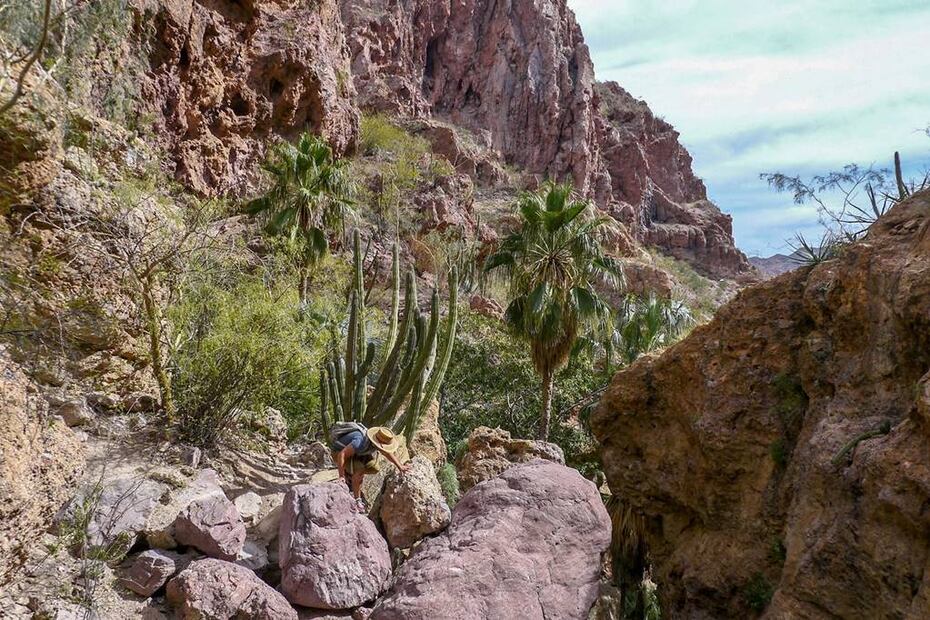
(331,557)
(211,524)
(526,544)
(223,591)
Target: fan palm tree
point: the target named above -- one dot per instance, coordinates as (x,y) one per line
(553,264)
(644,324)
(310,196)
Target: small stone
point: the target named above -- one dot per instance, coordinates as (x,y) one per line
(75,412)
(190,456)
(249,505)
(151,570)
(254,556)
(139,402)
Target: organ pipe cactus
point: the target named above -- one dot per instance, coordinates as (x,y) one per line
(417,354)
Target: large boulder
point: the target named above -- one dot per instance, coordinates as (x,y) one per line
(331,557)
(212,525)
(491,451)
(526,544)
(776,456)
(412,504)
(116,511)
(428,441)
(159,531)
(221,590)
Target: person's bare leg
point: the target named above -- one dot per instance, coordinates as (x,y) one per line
(342,457)
(357,478)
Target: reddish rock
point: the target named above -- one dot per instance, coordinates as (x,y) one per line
(526,544)
(150,571)
(331,556)
(519,77)
(211,524)
(730,444)
(228,77)
(486,307)
(223,591)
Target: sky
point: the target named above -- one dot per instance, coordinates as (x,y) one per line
(799,87)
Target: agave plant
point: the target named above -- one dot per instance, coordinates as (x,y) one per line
(415,362)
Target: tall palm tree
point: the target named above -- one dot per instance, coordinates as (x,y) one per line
(310,196)
(553,264)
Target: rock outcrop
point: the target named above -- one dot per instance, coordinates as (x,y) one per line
(782,450)
(37,453)
(150,571)
(331,557)
(412,504)
(526,544)
(224,591)
(227,77)
(519,77)
(491,451)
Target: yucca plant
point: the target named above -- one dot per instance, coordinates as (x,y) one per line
(553,264)
(416,357)
(809,254)
(308,201)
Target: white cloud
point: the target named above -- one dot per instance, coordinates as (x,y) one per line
(796,86)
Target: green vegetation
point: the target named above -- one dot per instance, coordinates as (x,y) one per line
(491,382)
(791,400)
(308,200)
(241,348)
(413,368)
(553,265)
(758,592)
(449,483)
(644,324)
(779,453)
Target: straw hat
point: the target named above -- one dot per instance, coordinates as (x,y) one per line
(383,438)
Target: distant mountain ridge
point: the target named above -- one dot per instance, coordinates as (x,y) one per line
(775,265)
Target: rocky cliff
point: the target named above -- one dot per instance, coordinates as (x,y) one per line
(520,77)
(780,455)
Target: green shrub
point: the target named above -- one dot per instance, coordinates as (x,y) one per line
(758,592)
(242,348)
(491,382)
(449,483)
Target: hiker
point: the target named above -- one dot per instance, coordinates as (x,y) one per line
(355,449)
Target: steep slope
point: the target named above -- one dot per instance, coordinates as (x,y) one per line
(783,448)
(519,76)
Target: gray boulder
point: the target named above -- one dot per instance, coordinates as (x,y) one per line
(221,590)
(159,532)
(526,544)
(412,504)
(331,557)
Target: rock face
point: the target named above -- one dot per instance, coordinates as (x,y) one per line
(35,455)
(412,504)
(491,451)
(782,448)
(221,590)
(331,557)
(526,544)
(520,77)
(212,525)
(226,77)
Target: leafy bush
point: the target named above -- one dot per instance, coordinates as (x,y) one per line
(449,483)
(242,348)
(491,382)
(758,592)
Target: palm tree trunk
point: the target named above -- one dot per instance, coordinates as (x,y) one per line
(304,285)
(544,418)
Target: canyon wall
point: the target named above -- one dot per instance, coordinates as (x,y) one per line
(783,450)
(519,76)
